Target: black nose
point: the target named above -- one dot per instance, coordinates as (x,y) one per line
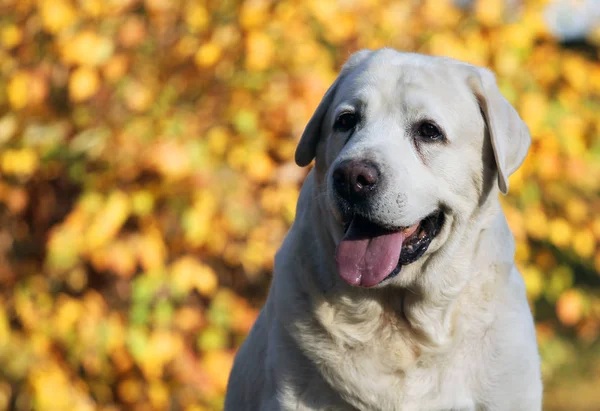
(355,179)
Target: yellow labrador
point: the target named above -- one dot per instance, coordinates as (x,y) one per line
(396,287)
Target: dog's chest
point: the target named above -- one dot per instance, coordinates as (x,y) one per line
(385,367)
(374,380)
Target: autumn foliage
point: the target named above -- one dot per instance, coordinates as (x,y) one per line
(147,179)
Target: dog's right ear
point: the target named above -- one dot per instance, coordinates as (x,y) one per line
(509,135)
(307,147)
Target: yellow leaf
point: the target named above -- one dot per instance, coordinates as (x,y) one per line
(440,13)
(162,347)
(206,281)
(217,364)
(522,251)
(576,210)
(189,319)
(18,90)
(151,249)
(11,36)
(171,159)
(77,279)
(130,390)
(517,181)
(53,390)
(8,127)
(117,257)
(183,272)
(198,221)
(68,312)
(560,232)
(489,12)
(189,273)
(4,327)
(237,156)
(23,162)
(115,68)
(208,54)
(253,13)
(518,35)
(575,70)
(142,202)
(533,106)
(507,62)
(109,221)
(447,44)
(596,227)
(260,167)
(57,15)
(595,76)
(534,282)
(159,395)
(584,243)
(260,51)
(255,256)
(87,48)
(160,6)
(187,46)
(83,84)
(64,246)
(92,8)
(133,32)
(5,395)
(536,224)
(569,307)
(341,28)
(573,128)
(138,96)
(196,17)
(218,138)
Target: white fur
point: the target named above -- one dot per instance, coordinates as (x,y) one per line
(453,331)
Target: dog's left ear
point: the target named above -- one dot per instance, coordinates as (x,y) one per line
(509,135)
(307,147)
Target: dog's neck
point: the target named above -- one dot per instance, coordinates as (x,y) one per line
(429,307)
(457,271)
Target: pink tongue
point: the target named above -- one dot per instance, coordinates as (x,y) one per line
(366,258)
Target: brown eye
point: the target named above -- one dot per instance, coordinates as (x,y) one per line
(429,131)
(345,122)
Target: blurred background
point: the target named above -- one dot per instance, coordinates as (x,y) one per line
(147,179)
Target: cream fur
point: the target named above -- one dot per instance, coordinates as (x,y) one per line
(453,331)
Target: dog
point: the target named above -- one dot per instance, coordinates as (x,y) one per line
(396,287)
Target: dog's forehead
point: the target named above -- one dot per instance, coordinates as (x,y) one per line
(407,77)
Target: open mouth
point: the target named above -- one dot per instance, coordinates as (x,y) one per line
(369,253)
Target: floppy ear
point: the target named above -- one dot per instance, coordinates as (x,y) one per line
(307,147)
(509,135)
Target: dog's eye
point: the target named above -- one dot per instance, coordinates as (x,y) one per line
(345,122)
(428,130)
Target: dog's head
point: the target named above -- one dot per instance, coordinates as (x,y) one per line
(408,148)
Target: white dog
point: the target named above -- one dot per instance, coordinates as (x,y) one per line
(396,287)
